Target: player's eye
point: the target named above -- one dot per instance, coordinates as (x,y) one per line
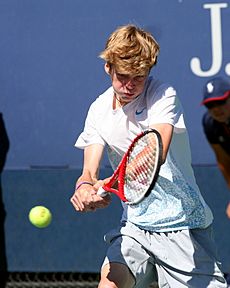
(125,77)
(122,77)
(139,78)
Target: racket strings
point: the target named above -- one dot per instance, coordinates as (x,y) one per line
(141,166)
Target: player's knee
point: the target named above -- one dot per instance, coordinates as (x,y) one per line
(116,275)
(105,283)
(117,282)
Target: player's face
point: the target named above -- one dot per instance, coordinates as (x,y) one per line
(127,87)
(220,110)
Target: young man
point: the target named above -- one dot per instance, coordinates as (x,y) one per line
(216,123)
(168,236)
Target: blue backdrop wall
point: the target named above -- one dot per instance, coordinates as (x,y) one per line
(50,73)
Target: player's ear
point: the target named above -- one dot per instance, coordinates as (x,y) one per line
(107,68)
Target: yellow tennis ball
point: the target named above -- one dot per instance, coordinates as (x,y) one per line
(40,216)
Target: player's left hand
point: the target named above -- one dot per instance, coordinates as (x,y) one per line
(102,202)
(85,199)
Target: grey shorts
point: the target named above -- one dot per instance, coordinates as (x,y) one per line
(185,258)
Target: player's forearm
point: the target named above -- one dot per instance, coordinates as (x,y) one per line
(92,158)
(166,131)
(88,176)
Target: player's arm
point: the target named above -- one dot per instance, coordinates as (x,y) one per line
(223,161)
(166,131)
(92,158)
(84,198)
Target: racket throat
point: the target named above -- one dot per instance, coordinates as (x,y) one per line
(120,193)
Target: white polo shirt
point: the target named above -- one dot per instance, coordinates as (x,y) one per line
(175,201)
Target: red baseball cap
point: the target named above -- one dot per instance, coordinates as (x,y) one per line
(216,89)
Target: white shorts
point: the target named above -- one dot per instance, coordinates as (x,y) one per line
(184,258)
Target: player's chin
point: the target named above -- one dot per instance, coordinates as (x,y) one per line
(128,97)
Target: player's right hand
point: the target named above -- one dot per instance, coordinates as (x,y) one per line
(85,199)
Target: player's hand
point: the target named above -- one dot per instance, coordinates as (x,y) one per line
(99,184)
(101,202)
(85,199)
(228,210)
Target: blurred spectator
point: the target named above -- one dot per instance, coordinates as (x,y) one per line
(216,124)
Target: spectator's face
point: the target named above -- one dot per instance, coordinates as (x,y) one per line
(220,110)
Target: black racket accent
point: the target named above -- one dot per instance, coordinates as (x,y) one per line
(139,173)
(160,147)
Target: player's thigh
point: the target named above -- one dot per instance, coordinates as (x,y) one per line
(188,259)
(126,250)
(115,275)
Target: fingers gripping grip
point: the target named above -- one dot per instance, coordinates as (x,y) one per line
(101,192)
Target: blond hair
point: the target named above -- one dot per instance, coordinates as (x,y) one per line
(131,50)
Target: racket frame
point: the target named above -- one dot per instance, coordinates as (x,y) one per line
(119,174)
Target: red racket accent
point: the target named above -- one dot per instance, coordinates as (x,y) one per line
(138,170)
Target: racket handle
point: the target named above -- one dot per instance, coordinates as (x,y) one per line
(101,192)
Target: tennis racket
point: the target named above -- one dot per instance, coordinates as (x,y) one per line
(138,170)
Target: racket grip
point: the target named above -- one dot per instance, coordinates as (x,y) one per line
(101,192)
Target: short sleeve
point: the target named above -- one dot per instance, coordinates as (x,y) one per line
(167,108)
(90,134)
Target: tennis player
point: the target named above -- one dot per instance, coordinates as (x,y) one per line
(167,237)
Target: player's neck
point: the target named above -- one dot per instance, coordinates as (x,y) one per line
(117,102)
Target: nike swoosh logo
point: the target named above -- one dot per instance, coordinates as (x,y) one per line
(139,112)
